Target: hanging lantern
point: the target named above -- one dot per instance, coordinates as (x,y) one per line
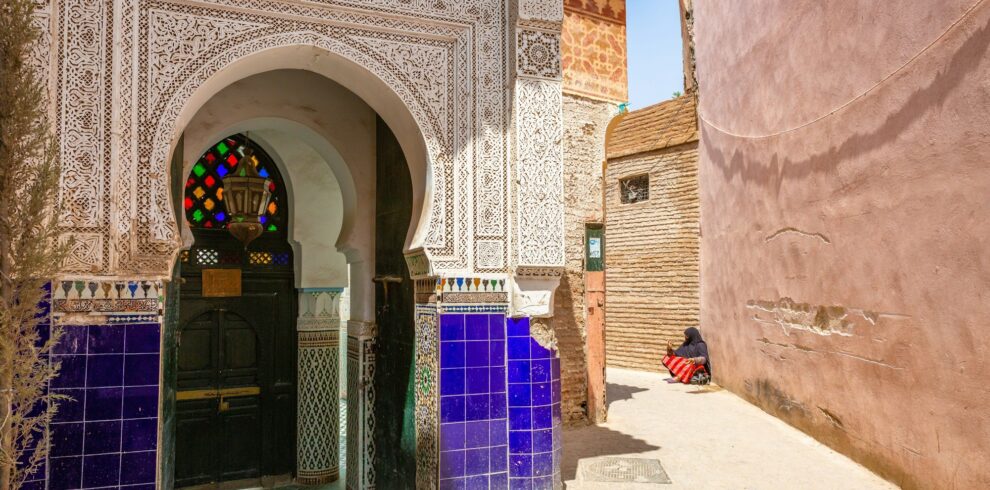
(246,195)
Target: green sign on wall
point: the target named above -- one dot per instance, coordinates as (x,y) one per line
(594,247)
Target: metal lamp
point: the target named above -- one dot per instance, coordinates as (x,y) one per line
(246,195)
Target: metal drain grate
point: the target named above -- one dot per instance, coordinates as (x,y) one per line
(622,470)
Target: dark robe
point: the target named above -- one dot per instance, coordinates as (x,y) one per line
(695,346)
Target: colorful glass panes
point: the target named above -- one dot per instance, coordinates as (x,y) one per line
(203,200)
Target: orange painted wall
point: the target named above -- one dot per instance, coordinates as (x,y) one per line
(593,49)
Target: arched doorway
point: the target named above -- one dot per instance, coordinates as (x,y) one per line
(235,377)
(325,141)
(380,342)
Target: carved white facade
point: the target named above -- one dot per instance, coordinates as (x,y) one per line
(471,89)
(129,72)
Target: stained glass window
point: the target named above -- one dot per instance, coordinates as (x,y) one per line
(203,200)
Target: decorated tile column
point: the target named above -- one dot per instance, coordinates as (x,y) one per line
(533,367)
(427,394)
(467,444)
(361,348)
(106,433)
(318,461)
(534,410)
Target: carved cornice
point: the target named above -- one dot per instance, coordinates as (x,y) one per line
(361,330)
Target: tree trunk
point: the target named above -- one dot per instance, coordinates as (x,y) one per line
(7,378)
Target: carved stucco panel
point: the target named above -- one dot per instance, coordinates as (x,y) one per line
(126,67)
(541,10)
(406,63)
(539,167)
(82,120)
(175,39)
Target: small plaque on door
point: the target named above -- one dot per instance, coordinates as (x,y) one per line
(221,283)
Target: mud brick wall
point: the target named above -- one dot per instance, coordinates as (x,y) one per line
(585,121)
(651,259)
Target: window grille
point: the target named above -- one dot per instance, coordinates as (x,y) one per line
(207,256)
(260,258)
(634,189)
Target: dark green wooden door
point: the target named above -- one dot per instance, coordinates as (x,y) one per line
(235,381)
(222,382)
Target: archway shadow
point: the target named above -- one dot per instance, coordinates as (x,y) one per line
(594,441)
(615,392)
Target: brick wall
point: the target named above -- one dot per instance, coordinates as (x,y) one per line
(585,121)
(651,258)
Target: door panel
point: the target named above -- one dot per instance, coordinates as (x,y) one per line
(241,450)
(194,449)
(222,388)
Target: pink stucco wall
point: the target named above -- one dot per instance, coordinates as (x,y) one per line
(845,282)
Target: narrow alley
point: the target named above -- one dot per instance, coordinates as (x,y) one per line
(705,438)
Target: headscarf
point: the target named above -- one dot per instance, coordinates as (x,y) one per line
(694,346)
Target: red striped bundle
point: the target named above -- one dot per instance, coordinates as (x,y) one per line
(683,370)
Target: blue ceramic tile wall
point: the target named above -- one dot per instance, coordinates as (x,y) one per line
(37,481)
(534,410)
(473,425)
(107,435)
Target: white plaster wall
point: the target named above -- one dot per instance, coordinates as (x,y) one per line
(316,210)
(322,136)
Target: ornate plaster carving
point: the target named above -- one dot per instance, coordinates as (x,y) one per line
(539,170)
(541,10)
(538,53)
(126,69)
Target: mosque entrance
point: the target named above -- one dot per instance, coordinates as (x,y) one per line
(235,376)
(304,373)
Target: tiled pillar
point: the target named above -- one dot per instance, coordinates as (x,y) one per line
(427,396)
(106,435)
(473,435)
(318,461)
(360,405)
(534,410)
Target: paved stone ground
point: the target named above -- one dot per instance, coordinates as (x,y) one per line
(733,445)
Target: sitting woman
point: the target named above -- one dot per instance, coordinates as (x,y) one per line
(689,363)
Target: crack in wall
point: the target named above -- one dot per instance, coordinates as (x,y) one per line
(799,347)
(808,350)
(791,229)
(817,319)
(867,360)
(832,418)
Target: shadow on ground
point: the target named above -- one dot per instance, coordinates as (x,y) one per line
(705,389)
(593,441)
(617,393)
